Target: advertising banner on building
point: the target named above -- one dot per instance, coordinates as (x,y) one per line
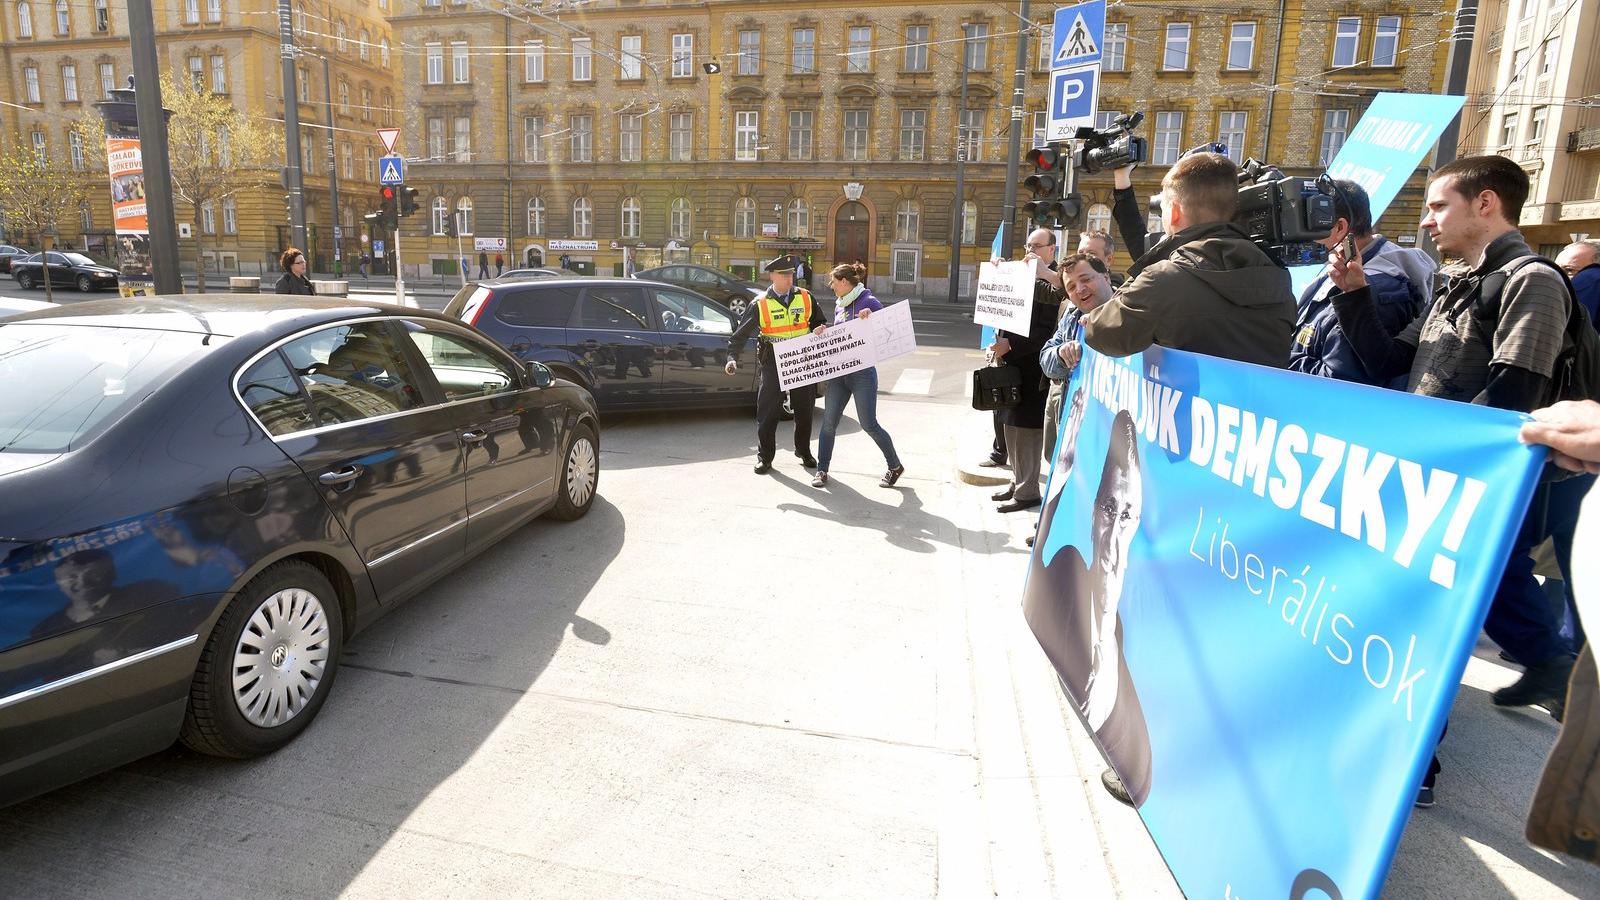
(127,186)
(1260,590)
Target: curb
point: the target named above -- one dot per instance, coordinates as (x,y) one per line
(973,474)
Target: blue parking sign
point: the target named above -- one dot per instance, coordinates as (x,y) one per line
(1074,97)
(1079,31)
(377,248)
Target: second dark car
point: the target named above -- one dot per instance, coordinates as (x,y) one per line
(66,269)
(706,281)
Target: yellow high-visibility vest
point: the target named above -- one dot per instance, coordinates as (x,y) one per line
(779,322)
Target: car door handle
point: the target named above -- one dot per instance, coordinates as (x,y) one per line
(683,345)
(341,476)
(473,437)
(591,345)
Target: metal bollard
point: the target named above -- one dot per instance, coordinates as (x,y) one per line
(244,284)
(331,288)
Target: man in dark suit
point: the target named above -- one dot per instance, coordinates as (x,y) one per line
(1072,607)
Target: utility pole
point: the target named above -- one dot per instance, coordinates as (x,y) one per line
(153,149)
(295,177)
(963,147)
(333,168)
(1455,82)
(1008,215)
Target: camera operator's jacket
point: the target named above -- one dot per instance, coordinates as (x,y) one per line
(1206,289)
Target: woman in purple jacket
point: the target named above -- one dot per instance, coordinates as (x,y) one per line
(855,302)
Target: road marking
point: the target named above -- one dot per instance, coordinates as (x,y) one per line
(913,381)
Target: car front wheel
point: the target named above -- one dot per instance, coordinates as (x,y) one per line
(580,476)
(25,281)
(268,665)
(85,284)
(737,306)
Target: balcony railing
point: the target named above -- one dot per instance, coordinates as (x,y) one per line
(1584,139)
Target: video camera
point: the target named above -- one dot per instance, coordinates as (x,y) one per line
(1286,216)
(1112,148)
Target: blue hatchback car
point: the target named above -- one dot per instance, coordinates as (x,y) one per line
(634,344)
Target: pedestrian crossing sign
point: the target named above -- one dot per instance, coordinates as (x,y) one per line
(1078,34)
(392,170)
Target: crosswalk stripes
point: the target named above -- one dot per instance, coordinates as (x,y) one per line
(913,381)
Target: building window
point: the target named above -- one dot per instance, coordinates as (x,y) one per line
(1231,131)
(680,137)
(913,133)
(30,83)
(1536,124)
(804,60)
(463,142)
(363,47)
(746,128)
(197,74)
(744,218)
(208,217)
(1519,64)
(970,134)
(1175,55)
(366,104)
(1335,126)
(532,61)
(308,160)
(340,37)
(1047,35)
(799,219)
(1550,55)
(347,161)
(631,65)
(749,53)
(459,62)
(40,149)
(191,12)
(678,224)
(1509,130)
(631,213)
(371,159)
(441,215)
(581,144)
(1386,42)
(904,263)
(800,131)
(856,122)
(582,60)
(969,222)
(908,221)
(682,55)
(535,217)
(219,74)
(435,138)
(582,217)
(230,216)
(435,63)
(63,18)
(1169,138)
(1103,119)
(916,49)
(224,147)
(75,145)
(858,53)
(383,51)
(1114,50)
(85,217)
(344,98)
(1346,40)
(464,223)
(69,83)
(1242,46)
(1099,219)
(976,46)
(1041,121)
(25,19)
(108,80)
(102,16)
(630,137)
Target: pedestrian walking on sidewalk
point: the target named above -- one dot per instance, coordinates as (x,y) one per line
(854,302)
(483,264)
(499,264)
(785,311)
(294,280)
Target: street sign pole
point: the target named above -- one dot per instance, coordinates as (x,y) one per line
(399,272)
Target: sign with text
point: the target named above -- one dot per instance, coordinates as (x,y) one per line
(574,245)
(842,349)
(1074,97)
(126,167)
(1005,296)
(489,243)
(1260,590)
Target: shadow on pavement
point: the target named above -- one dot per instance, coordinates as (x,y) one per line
(417,697)
(903,521)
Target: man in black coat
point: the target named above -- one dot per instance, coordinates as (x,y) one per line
(1024,423)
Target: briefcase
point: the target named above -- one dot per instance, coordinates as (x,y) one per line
(996,387)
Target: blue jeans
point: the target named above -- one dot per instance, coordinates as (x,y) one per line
(863,386)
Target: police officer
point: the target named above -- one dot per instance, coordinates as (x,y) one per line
(785,311)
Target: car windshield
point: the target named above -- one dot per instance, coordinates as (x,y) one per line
(78,259)
(80,376)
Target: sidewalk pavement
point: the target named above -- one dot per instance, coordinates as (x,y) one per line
(1468,845)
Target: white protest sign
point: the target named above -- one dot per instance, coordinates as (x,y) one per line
(1005,296)
(843,349)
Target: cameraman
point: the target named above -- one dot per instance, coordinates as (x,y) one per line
(1125,210)
(1205,287)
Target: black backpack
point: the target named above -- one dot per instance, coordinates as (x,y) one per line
(1577,370)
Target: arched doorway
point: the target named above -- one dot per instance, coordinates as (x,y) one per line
(533,256)
(852,234)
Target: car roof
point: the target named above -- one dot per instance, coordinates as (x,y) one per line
(227,315)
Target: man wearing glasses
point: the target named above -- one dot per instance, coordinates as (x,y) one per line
(1024,423)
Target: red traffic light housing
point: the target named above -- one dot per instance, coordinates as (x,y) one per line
(1051,206)
(408,200)
(388,210)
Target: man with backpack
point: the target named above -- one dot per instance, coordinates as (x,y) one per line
(1500,334)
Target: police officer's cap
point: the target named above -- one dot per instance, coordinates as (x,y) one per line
(782,264)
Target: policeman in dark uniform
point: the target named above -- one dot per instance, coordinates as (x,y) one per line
(783,312)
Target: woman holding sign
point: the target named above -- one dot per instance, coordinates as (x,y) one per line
(855,302)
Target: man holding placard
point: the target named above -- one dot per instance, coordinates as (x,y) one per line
(783,312)
(1024,423)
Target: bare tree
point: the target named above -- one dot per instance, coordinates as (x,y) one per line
(38,189)
(214,150)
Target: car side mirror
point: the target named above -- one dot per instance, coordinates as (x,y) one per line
(540,374)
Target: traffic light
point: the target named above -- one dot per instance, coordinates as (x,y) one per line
(450,224)
(388,211)
(408,200)
(1051,206)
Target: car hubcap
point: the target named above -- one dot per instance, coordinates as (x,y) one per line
(580,472)
(281,657)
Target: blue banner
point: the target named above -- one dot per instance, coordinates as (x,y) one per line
(1260,590)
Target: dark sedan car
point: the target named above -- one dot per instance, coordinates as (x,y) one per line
(7,254)
(66,269)
(205,496)
(635,344)
(706,281)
